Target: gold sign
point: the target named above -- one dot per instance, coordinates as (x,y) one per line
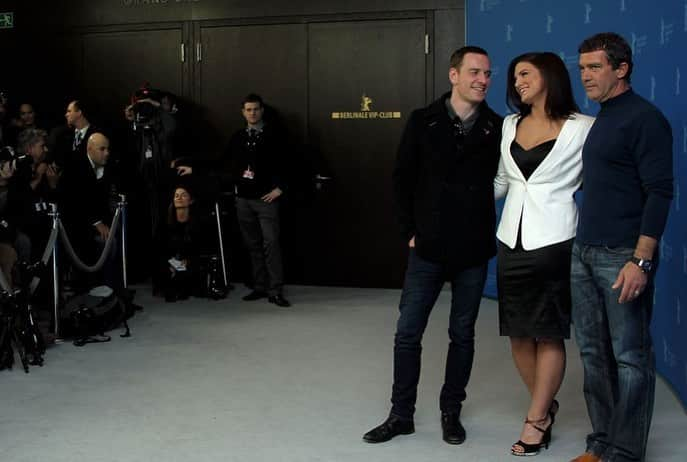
(366,112)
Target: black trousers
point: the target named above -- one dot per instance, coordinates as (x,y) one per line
(259,224)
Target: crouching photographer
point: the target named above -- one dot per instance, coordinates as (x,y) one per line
(31,186)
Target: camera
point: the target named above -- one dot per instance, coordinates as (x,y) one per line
(6,154)
(22,162)
(144,111)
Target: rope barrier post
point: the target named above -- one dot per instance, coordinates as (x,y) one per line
(221,244)
(122,207)
(55,276)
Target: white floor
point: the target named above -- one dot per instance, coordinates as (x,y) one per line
(248,381)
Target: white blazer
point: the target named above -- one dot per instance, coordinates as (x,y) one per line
(544,201)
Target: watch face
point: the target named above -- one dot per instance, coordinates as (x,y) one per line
(645,265)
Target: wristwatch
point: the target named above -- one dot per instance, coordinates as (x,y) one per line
(645,265)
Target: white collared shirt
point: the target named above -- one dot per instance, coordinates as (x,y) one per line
(99,170)
(82,133)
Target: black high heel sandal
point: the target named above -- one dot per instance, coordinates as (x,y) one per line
(533,449)
(553,410)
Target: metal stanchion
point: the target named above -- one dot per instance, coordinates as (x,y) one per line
(122,207)
(55,276)
(221,244)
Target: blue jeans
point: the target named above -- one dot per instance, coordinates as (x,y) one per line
(423,283)
(617,353)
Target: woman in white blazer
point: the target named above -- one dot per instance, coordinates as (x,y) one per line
(539,171)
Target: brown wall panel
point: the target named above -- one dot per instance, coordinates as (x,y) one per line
(449,35)
(107,12)
(236,60)
(118,63)
(354,228)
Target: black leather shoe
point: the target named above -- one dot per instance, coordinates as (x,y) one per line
(453,430)
(393,426)
(255,295)
(279,300)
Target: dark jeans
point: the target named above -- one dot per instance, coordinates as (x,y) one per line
(423,283)
(259,223)
(617,354)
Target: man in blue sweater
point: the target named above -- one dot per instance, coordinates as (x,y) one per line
(628,187)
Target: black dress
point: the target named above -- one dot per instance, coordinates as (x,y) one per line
(534,285)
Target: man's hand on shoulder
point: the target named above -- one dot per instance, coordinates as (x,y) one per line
(632,281)
(272,195)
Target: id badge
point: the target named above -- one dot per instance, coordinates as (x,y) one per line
(248,174)
(149,153)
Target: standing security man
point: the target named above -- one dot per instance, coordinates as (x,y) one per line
(443,188)
(74,147)
(257,170)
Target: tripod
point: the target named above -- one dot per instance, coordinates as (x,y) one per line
(18,330)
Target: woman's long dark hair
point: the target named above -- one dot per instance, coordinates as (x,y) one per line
(560,102)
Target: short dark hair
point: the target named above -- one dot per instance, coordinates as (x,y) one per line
(252,98)
(80,105)
(560,102)
(458,55)
(617,49)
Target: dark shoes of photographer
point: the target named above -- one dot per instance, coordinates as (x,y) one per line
(393,426)
(254,295)
(279,300)
(453,431)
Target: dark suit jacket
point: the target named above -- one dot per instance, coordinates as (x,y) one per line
(265,158)
(63,153)
(84,200)
(444,194)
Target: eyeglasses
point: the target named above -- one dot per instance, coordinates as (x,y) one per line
(458,132)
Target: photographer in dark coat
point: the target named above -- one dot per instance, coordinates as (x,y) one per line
(148,176)
(32,187)
(10,240)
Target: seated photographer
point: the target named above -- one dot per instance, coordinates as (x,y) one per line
(13,244)
(183,238)
(4,120)
(86,189)
(31,187)
(25,119)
